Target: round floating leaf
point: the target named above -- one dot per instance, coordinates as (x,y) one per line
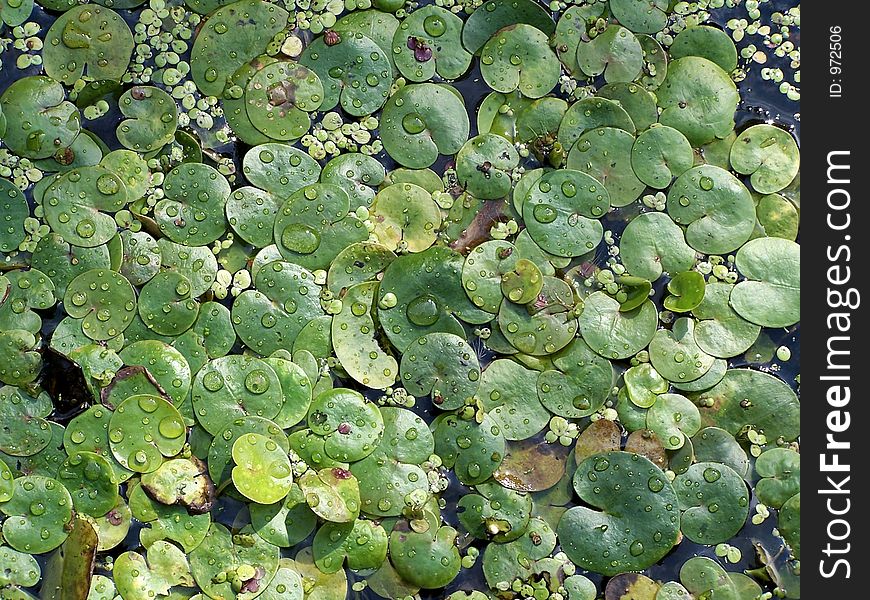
(614,334)
(530,466)
(323,586)
(653,244)
(39,121)
(712,444)
(184,482)
(698,98)
(232,35)
(544,326)
(350,426)
(780,469)
(37,514)
(643,384)
(405,214)
(507,391)
(74,203)
(485,270)
(333,494)
(580,383)
(562,210)
(354,71)
(622,535)
(714,501)
(494,15)
(615,52)
(746,397)
(358,263)
(789,524)
(428,560)
(221,551)
(631,586)
(673,418)
(441,365)
(428,41)
(356,174)
(285,523)
(279,97)
(144,429)
(429,297)
(375,24)
(704,577)
(659,155)
(483,166)
(362,543)
(495,513)
(707,42)
(720,331)
(23,293)
(19,568)
(141,256)
(770,295)
(220,450)
(355,341)
(279,169)
(167,522)
(151,119)
(638,103)
(571,31)
(262,472)
(769,155)
(519,57)
(138,578)
(198,265)
(21,362)
(714,206)
(89,40)
(165,304)
(421,121)
(505,562)
(164,363)
(676,355)
(591,113)
(605,152)
(777,217)
(104,300)
(235,386)
(687,291)
(296,389)
(285,300)
(314,225)
(24,431)
(474,450)
(90,480)
(192,213)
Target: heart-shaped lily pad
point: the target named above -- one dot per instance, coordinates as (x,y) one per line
(580,383)
(74,205)
(410,550)
(659,155)
(474,450)
(495,513)
(615,53)
(37,514)
(622,535)
(151,119)
(442,365)
(405,214)
(164,567)
(333,494)
(285,523)
(245,554)
(714,501)
(518,57)
(673,418)
(502,563)
(614,334)
(507,391)
(780,469)
(605,153)
(676,355)
(350,426)
(144,429)
(428,41)
(770,295)
(497,14)
(769,155)
(653,244)
(279,169)
(38,119)
(720,331)
(708,42)
(262,472)
(104,300)
(192,213)
(363,544)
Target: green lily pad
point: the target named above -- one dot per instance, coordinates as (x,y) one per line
(24,431)
(279,97)
(233,35)
(323,586)
(442,365)
(505,562)
(544,326)
(360,353)
(494,15)
(356,174)
(165,304)
(713,444)
(435,549)
(507,391)
(676,355)
(653,244)
(164,522)
(52,123)
(355,72)
(591,113)
(284,523)
(421,121)
(13,207)
(641,16)
(262,472)
(484,272)
(622,535)
(333,494)
(350,426)
(580,383)
(770,295)
(142,257)
(94,41)
(279,169)
(197,264)
(746,397)
(428,41)
(164,363)
(703,576)
(495,513)
(363,544)
(637,102)
(707,42)
(780,470)
(37,514)
(615,53)
(90,480)
(769,155)
(484,164)
(530,466)
(104,300)
(221,552)
(74,205)
(714,206)
(605,152)
(711,489)
(789,524)
(220,451)
(143,430)
(235,386)
(673,418)
(138,577)
(643,384)
(13,14)
(358,263)
(20,569)
(614,334)
(474,450)
(192,213)
(562,210)
(152,119)
(687,291)
(698,98)
(571,30)
(375,24)
(405,214)
(519,57)
(720,331)
(659,155)
(777,217)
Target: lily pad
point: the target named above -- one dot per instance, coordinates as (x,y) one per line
(673,418)
(711,489)
(519,57)
(769,155)
(442,365)
(615,53)
(428,41)
(350,426)
(39,120)
(770,295)
(614,334)
(580,383)
(653,244)
(37,514)
(405,215)
(104,300)
(474,450)
(780,470)
(143,430)
(151,119)
(436,549)
(659,155)
(707,42)
(192,213)
(720,331)
(262,472)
